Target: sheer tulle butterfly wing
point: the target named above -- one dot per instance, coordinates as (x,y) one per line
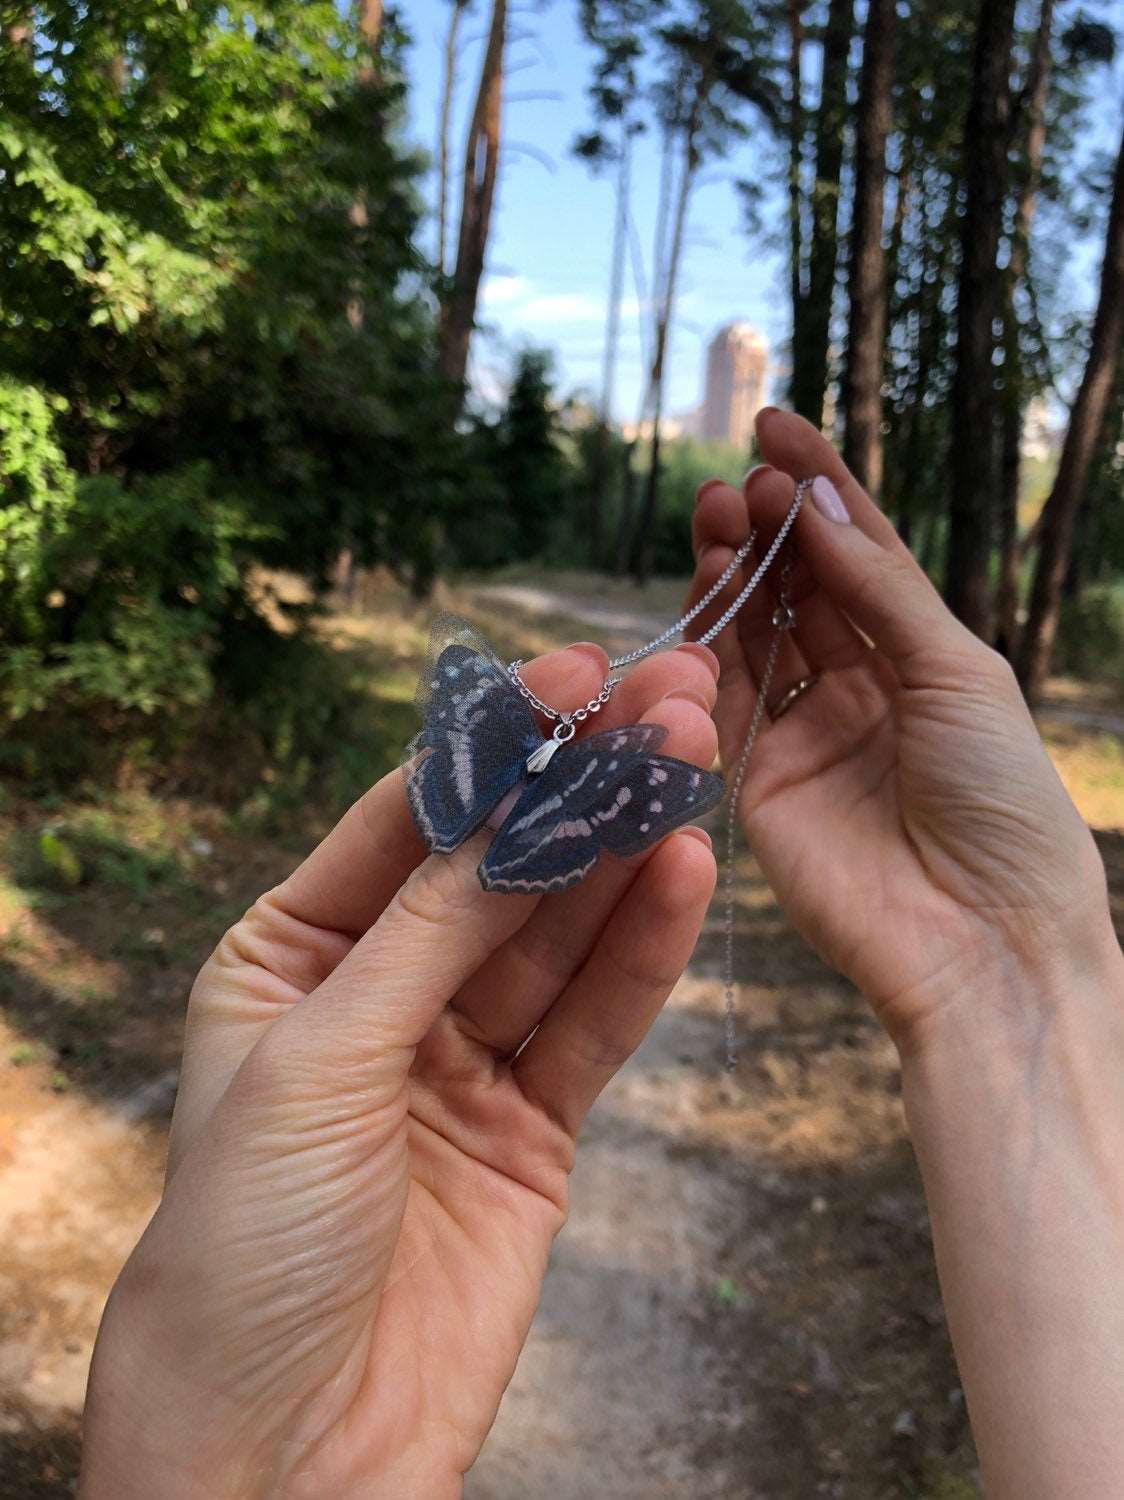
(476,736)
(610,791)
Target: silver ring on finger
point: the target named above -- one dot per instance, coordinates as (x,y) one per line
(796,691)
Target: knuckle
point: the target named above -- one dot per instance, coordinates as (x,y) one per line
(437,895)
(997,669)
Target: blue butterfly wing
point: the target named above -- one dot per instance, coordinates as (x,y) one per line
(474,744)
(653,799)
(610,791)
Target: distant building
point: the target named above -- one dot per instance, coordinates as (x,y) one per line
(737,364)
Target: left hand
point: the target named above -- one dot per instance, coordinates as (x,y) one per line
(364,1178)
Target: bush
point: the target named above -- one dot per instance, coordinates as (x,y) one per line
(1090,641)
(36,494)
(128,598)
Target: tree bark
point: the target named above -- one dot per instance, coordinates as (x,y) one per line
(448,89)
(370,24)
(644,542)
(1085,426)
(795,164)
(1032,116)
(974,404)
(862,386)
(810,353)
(481,167)
(600,476)
(358,215)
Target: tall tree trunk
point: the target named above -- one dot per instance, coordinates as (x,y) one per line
(795,174)
(627,534)
(628,508)
(1032,119)
(448,89)
(1085,426)
(974,406)
(481,166)
(810,354)
(602,448)
(358,215)
(370,24)
(862,386)
(642,551)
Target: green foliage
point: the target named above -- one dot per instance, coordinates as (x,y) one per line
(216,354)
(59,859)
(36,493)
(1090,640)
(521,481)
(686,463)
(141,581)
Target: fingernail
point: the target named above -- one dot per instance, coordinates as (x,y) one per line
(829,502)
(590,648)
(698,833)
(707,484)
(757,469)
(704,654)
(688,695)
(711,550)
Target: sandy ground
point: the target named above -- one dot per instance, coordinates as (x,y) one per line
(742,1307)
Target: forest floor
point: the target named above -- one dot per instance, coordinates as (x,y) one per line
(743,1303)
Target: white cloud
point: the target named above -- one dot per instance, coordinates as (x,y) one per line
(501,291)
(561,307)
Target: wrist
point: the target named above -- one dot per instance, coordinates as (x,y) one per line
(1047,1032)
(1004,998)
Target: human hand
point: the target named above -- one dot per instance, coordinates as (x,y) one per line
(904,809)
(364,1180)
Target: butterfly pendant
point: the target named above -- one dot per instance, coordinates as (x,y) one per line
(480,743)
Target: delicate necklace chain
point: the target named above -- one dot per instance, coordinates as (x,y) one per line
(783,620)
(630,657)
(720,583)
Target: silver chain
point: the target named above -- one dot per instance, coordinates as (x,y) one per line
(595,705)
(720,583)
(630,657)
(784,618)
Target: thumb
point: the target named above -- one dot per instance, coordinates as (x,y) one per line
(381,1000)
(883,590)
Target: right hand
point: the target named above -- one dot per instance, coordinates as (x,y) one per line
(904,809)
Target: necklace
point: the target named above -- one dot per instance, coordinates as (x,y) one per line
(783,620)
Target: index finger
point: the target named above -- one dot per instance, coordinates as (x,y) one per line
(790,443)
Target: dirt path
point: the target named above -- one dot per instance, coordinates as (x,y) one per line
(743,1302)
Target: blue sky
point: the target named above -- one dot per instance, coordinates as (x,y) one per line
(548,264)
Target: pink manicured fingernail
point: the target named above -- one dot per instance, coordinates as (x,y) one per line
(829,502)
(757,469)
(698,833)
(703,653)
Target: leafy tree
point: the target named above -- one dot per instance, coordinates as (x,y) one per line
(481,169)
(715,60)
(1091,409)
(517,491)
(619,30)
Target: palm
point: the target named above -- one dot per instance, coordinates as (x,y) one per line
(889,821)
(466,1273)
(903,809)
